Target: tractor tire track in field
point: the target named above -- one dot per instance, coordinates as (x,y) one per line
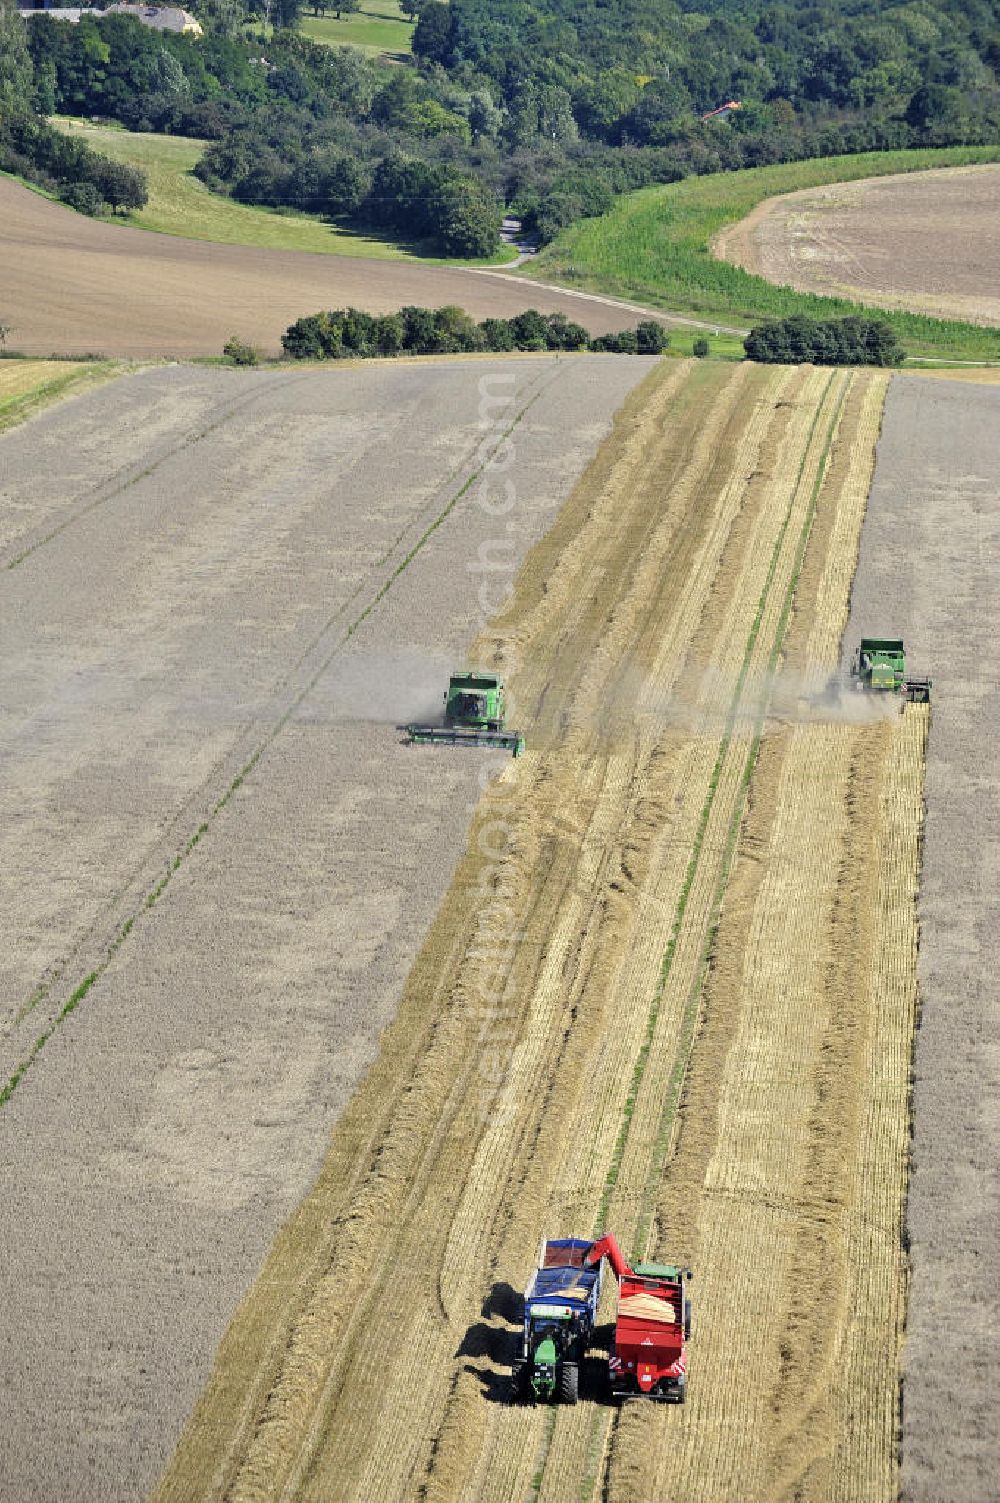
(531,1080)
(56,998)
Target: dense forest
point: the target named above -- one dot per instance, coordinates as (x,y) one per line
(550,107)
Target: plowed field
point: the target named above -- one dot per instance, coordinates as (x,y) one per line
(75,285)
(670,991)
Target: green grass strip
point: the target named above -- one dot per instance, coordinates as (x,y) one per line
(156,892)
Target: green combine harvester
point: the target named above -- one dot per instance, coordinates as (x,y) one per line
(474,708)
(880,666)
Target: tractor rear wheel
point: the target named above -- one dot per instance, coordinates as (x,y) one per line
(569,1382)
(519,1382)
(687,1320)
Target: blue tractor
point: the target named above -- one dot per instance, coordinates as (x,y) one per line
(560,1311)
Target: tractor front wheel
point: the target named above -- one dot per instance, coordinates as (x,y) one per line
(569,1382)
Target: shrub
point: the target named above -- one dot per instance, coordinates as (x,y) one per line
(497,334)
(700,347)
(239,353)
(625,342)
(564,335)
(83,197)
(530,330)
(651,337)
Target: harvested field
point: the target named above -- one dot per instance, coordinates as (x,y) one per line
(221,591)
(73,285)
(927,241)
(928,572)
(670,991)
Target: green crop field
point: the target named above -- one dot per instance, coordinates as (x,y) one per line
(181,205)
(379,27)
(653,247)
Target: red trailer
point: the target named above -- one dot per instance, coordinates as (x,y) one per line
(653,1326)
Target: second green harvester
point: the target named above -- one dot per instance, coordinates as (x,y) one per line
(880,666)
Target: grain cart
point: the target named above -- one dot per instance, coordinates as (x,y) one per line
(648,1355)
(880,666)
(474,710)
(560,1308)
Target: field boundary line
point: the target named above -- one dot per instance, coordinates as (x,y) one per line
(660,314)
(153,894)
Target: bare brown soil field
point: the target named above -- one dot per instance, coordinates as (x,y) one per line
(928,572)
(220,591)
(73,285)
(671,990)
(928,241)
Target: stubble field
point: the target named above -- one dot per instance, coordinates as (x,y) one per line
(927,241)
(670,990)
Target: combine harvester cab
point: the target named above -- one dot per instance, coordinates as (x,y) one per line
(474,711)
(560,1309)
(648,1356)
(880,667)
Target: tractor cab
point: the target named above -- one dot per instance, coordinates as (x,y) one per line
(474,699)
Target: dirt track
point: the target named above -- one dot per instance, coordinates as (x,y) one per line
(185,551)
(929,241)
(532,1081)
(929,572)
(73,285)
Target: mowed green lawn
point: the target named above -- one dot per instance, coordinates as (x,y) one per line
(653,247)
(181,205)
(379,27)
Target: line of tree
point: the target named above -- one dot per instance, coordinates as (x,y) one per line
(349,333)
(857,340)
